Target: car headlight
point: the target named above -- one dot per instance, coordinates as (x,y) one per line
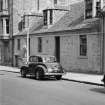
(50,69)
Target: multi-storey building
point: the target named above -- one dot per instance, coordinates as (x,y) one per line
(4,32)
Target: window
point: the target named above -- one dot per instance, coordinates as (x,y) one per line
(39,44)
(18,44)
(7,26)
(98,8)
(21,25)
(6,4)
(51,16)
(45,13)
(88,9)
(89,14)
(45,17)
(83,45)
(1,5)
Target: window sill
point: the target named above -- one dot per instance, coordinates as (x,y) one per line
(82,57)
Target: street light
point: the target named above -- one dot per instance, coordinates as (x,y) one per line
(28,39)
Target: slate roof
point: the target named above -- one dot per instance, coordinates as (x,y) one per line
(87,24)
(56,7)
(74,16)
(72,20)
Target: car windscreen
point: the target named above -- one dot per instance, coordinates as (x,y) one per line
(33,59)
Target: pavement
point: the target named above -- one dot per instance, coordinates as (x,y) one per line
(70,76)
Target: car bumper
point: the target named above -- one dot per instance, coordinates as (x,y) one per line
(53,74)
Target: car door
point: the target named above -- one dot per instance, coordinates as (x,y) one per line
(32,63)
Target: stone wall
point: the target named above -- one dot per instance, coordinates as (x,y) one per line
(72,61)
(70,57)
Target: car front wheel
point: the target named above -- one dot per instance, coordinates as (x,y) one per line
(23,74)
(39,74)
(58,77)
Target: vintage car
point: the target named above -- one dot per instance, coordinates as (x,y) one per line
(41,66)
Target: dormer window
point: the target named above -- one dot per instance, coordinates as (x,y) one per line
(21,25)
(48,17)
(45,17)
(3,5)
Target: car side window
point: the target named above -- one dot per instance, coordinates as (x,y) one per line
(40,59)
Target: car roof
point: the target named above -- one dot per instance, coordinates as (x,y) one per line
(43,55)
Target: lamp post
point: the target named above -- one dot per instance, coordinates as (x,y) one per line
(28,39)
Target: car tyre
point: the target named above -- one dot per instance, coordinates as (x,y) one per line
(58,77)
(39,74)
(23,74)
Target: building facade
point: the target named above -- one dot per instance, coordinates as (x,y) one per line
(74,38)
(71,33)
(4,32)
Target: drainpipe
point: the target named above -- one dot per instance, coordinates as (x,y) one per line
(103,46)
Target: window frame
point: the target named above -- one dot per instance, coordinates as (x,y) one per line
(88,9)
(18,44)
(51,16)
(83,45)
(1,5)
(7,26)
(45,14)
(39,44)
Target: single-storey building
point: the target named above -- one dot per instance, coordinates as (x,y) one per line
(66,34)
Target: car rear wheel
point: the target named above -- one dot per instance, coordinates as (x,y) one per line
(58,77)
(39,74)
(23,74)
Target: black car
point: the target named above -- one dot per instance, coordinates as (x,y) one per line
(42,66)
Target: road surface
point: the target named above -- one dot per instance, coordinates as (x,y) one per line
(15,90)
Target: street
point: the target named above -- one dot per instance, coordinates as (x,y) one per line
(15,90)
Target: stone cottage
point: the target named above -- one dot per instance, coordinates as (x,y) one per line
(73,36)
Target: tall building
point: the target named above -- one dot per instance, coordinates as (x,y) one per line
(4,32)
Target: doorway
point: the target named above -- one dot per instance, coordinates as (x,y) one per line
(57,48)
